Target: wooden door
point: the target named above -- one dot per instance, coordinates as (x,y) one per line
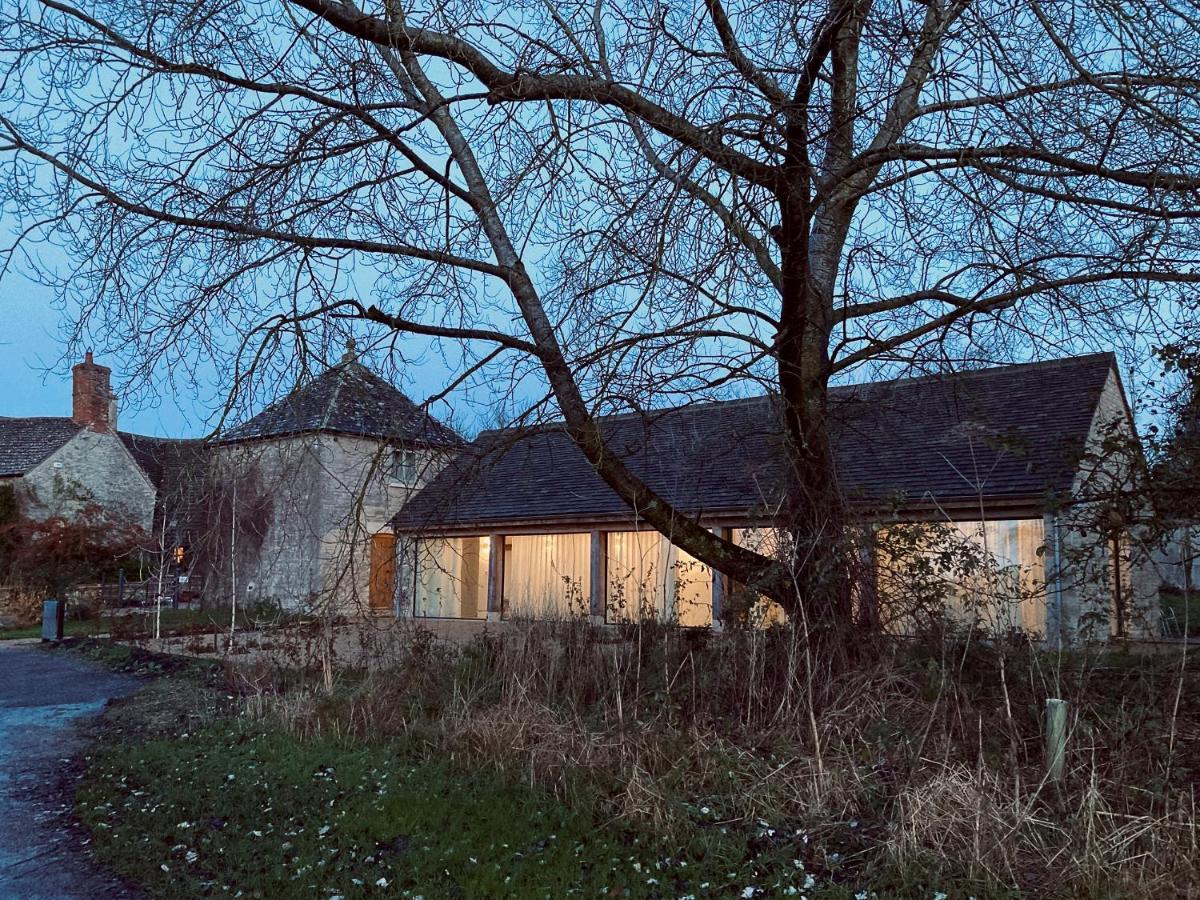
(383,572)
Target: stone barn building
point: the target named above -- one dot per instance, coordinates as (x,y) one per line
(301,494)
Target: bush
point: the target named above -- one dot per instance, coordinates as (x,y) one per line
(52,555)
(20,607)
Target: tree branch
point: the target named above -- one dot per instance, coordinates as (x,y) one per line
(525,86)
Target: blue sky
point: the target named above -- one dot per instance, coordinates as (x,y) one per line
(35,370)
(36,374)
(37,378)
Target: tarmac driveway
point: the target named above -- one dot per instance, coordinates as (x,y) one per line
(43,697)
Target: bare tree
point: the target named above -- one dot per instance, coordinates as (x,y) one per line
(638,200)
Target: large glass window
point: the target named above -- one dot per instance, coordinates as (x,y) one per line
(990,574)
(452,577)
(547,575)
(770,542)
(650,578)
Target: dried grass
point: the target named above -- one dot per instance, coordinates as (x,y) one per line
(935,753)
(20,606)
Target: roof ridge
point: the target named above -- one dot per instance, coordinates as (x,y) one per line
(161,437)
(611,417)
(1082,358)
(38,419)
(337,389)
(845,388)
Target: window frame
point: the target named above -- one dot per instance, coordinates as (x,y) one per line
(404,462)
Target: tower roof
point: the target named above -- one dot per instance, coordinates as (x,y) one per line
(348,398)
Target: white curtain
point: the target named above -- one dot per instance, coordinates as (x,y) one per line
(768,542)
(693,589)
(548,575)
(452,577)
(1009,592)
(648,577)
(993,573)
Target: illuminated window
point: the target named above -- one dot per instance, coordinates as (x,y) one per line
(650,578)
(548,575)
(451,577)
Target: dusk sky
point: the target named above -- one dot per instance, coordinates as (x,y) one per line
(36,373)
(37,376)
(37,379)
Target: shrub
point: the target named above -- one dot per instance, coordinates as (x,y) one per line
(52,555)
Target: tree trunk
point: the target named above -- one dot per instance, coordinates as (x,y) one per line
(814,514)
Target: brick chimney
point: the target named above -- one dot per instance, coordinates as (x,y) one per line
(92,401)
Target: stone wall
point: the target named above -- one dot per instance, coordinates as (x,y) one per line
(1089,541)
(93,468)
(359,496)
(262,537)
(316,501)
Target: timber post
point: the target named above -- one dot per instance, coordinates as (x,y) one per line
(720,585)
(598,577)
(495,584)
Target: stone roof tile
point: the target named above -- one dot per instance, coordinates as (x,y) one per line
(347,398)
(27,441)
(1012,431)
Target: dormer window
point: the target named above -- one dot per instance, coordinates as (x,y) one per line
(404,467)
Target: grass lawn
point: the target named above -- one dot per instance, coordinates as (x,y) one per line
(140,624)
(231,807)
(498,771)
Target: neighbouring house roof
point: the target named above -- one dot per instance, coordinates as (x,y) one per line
(28,441)
(178,469)
(25,442)
(171,465)
(347,398)
(1000,433)
(158,456)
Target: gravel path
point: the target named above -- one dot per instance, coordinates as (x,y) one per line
(43,698)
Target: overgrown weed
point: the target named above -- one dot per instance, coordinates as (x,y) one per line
(926,764)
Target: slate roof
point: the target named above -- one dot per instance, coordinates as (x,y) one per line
(1008,432)
(178,468)
(347,398)
(27,441)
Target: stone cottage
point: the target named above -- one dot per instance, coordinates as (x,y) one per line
(60,465)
